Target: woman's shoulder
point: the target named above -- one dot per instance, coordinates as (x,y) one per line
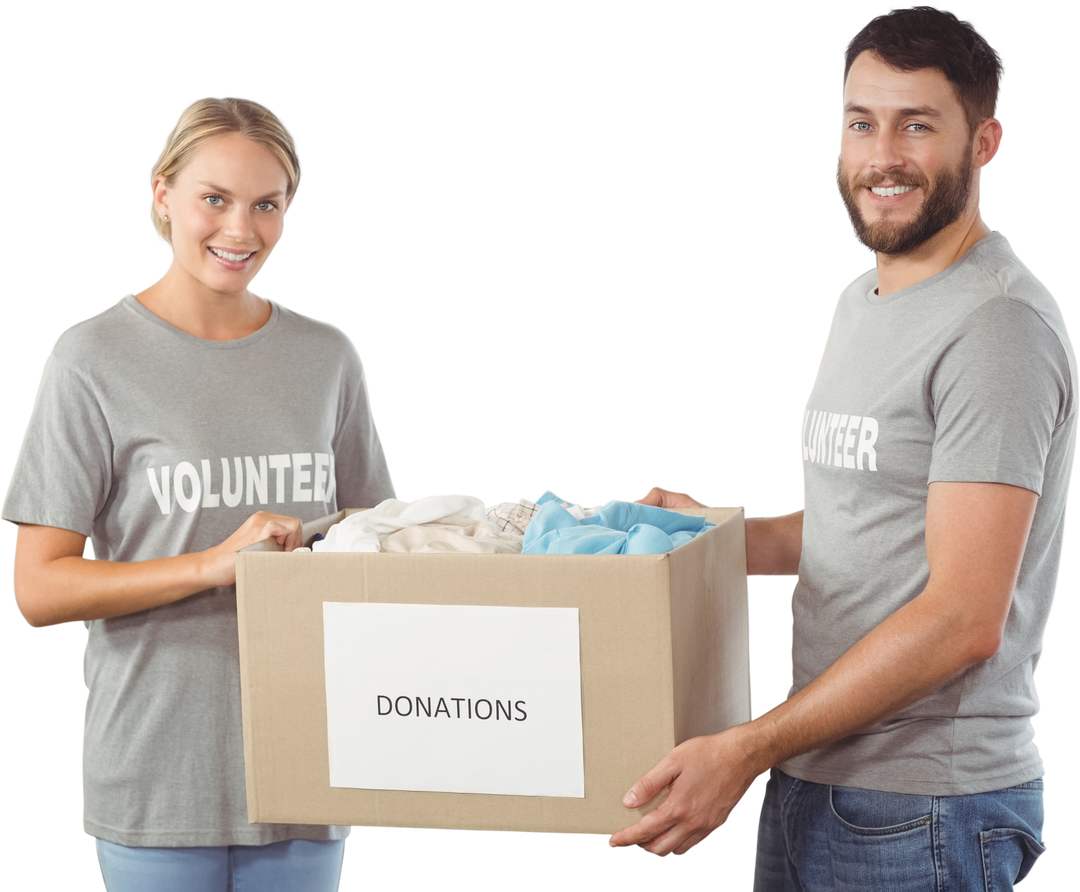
(316,334)
(90,338)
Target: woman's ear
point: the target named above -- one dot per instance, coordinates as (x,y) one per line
(161,198)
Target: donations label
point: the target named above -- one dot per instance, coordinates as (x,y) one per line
(454,699)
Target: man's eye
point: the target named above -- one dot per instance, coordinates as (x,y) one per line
(918,128)
(861,126)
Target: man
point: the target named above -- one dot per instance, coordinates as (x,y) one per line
(937,446)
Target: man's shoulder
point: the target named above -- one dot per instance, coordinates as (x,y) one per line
(1009,312)
(1005,275)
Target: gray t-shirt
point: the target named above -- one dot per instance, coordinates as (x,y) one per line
(153,443)
(967,376)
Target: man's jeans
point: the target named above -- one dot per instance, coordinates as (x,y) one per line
(817,837)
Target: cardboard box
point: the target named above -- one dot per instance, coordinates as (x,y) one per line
(664,657)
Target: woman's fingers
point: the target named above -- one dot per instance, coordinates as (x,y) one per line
(287,531)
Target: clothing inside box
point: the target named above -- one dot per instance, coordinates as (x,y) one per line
(461,524)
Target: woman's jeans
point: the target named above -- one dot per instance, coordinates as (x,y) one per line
(819,837)
(293,865)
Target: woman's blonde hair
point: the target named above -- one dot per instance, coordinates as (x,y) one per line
(209,118)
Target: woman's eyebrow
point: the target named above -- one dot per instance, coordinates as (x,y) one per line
(216,188)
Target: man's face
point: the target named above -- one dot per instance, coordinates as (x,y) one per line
(905,170)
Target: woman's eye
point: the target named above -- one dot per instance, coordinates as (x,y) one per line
(217,201)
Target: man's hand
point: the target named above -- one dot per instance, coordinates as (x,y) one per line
(662,498)
(705,778)
(976,534)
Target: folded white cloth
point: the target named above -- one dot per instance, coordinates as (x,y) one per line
(460,534)
(365,530)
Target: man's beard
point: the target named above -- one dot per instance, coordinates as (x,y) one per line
(944,200)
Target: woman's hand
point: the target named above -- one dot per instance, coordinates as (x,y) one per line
(288,532)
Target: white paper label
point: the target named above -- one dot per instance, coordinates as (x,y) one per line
(454,699)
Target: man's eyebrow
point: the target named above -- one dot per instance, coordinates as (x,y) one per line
(915,111)
(216,188)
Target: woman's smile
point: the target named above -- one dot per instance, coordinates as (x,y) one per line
(239,260)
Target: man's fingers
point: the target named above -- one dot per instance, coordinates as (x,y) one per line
(650,827)
(687,844)
(663,498)
(678,827)
(704,778)
(655,497)
(661,832)
(646,789)
(642,793)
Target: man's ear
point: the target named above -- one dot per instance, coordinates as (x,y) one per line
(986,143)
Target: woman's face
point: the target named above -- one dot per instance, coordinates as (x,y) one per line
(227,209)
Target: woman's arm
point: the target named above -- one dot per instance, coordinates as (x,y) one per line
(54,583)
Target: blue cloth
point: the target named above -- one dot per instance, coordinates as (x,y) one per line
(617,528)
(814,837)
(292,865)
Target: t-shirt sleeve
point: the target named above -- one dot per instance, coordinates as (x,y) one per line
(363,479)
(64,471)
(998,391)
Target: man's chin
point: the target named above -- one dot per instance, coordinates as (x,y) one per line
(889,238)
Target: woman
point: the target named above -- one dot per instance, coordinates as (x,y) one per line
(160,425)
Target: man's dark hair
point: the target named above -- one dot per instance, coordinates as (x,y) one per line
(924,37)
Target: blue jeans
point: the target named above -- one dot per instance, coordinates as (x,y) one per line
(292,865)
(815,837)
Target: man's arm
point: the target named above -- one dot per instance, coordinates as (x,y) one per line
(773,544)
(976,534)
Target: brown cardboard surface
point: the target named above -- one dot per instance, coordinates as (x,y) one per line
(663,658)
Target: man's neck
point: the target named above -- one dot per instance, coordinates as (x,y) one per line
(932,256)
